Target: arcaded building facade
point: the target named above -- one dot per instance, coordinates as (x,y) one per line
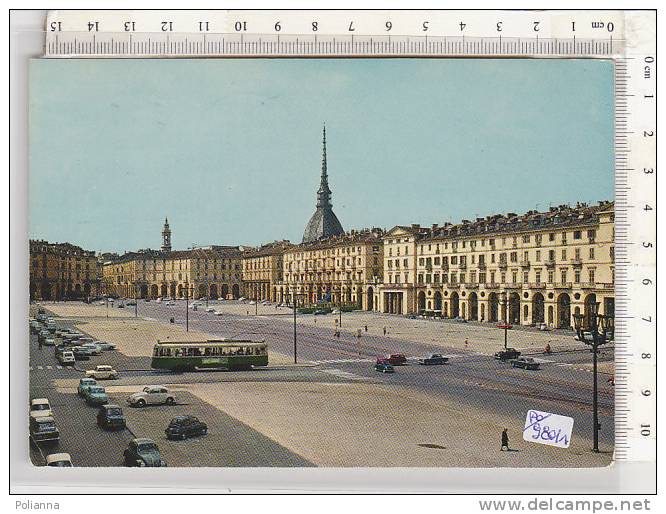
(62,271)
(345,270)
(262,270)
(536,268)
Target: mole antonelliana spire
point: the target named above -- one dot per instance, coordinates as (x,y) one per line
(323,223)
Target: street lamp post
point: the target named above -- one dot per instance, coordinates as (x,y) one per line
(594,329)
(294,296)
(187,307)
(136,308)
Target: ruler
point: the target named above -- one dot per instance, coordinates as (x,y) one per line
(628,38)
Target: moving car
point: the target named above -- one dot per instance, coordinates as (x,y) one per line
(508,354)
(40,408)
(95,395)
(182,427)
(44,430)
(111,416)
(384,367)
(66,358)
(59,460)
(85,384)
(152,395)
(525,363)
(433,359)
(394,359)
(143,452)
(102,372)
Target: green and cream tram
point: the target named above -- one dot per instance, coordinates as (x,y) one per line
(229,354)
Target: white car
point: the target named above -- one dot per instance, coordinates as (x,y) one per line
(219,313)
(210,309)
(94,349)
(170,303)
(59,460)
(242,299)
(252,302)
(40,408)
(67,358)
(152,395)
(102,372)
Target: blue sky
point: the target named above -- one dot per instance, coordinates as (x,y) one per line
(230,150)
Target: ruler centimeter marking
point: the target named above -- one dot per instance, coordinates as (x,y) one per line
(628,38)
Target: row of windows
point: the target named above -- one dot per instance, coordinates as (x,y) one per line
(490,278)
(329,252)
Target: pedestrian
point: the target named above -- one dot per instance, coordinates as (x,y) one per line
(466,342)
(366,328)
(384,330)
(505,440)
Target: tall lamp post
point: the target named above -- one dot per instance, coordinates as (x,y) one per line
(594,329)
(187,306)
(294,297)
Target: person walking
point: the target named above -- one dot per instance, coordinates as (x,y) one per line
(384,330)
(466,342)
(505,441)
(366,328)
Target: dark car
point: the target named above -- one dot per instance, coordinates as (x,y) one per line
(394,359)
(434,359)
(525,363)
(131,303)
(110,416)
(508,354)
(320,312)
(182,427)
(43,430)
(384,367)
(143,452)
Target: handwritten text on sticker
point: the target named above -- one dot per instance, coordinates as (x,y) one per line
(546,428)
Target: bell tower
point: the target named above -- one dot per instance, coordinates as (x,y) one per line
(166,236)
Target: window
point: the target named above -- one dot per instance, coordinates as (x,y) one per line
(492,277)
(526,277)
(577,234)
(514,277)
(612,253)
(592,253)
(435,278)
(445,278)
(514,256)
(454,259)
(551,255)
(551,236)
(503,278)
(564,254)
(563,276)
(537,276)
(551,277)
(577,276)
(590,273)
(526,238)
(462,278)
(436,261)
(577,254)
(537,239)
(482,278)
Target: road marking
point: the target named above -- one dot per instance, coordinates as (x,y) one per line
(343,374)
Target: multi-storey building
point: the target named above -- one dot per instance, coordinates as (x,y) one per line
(60,271)
(262,270)
(344,269)
(212,271)
(540,267)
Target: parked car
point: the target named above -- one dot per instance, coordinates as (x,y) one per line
(219,313)
(84,384)
(95,395)
(182,427)
(394,359)
(210,309)
(460,319)
(143,452)
(170,303)
(411,316)
(104,346)
(508,354)
(152,395)
(40,408)
(384,367)
(102,372)
(320,312)
(524,363)
(59,460)
(43,334)
(44,430)
(434,359)
(93,347)
(131,303)
(111,416)
(50,341)
(81,353)
(66,358)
